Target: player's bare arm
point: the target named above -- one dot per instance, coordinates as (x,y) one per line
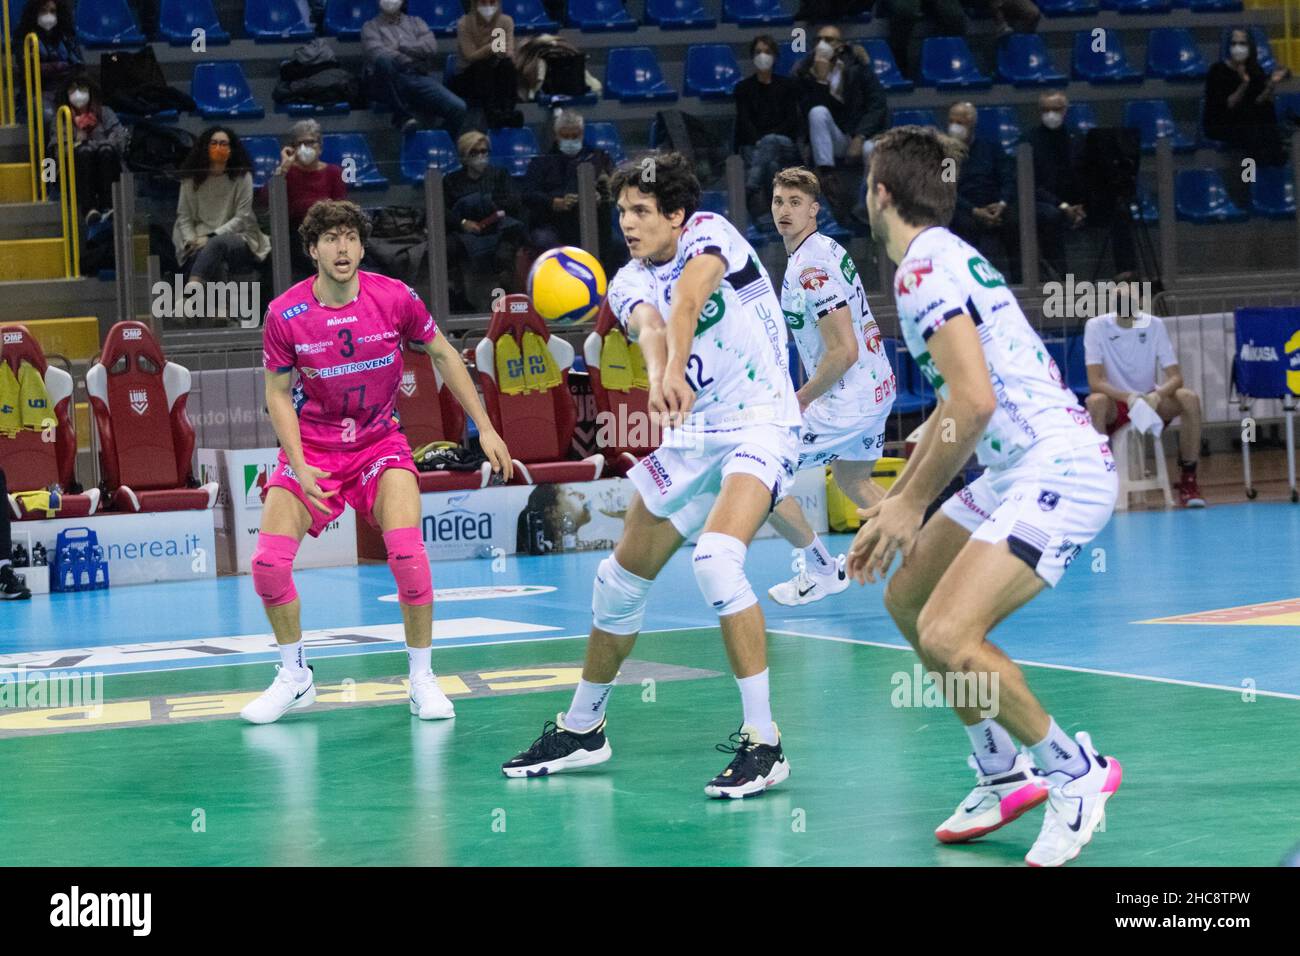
(892,526)
(1099,385)
(452,369)
(700,278)
(647,328)
(279,404)
(841,352)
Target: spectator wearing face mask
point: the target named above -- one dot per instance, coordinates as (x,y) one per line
(986,191)
(399,51)
(485,78)
(769,125)
(844,104)
(946,17)
(56,35)
(551,187)
(1239,107)
(484,216)
(307,181)
(99,142)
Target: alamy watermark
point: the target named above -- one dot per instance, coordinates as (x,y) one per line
(967,689)
(1085,299)
(21,690)
(227,300)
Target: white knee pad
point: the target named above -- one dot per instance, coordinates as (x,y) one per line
(618,598)
(719,564)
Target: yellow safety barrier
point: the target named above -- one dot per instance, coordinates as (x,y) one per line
(8,114)
(67,142)
(841,512)
(35,112)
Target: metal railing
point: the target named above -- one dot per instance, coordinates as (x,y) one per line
(65,133)
(8,111)
(35,113)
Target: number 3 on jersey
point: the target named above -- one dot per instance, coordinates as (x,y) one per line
(696,364)
(348,347)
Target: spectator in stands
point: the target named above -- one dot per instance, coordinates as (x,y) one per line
(1239,106)
(399,51)
(216,231)
(551,187)
(485,78)
(1123,351)
(948,20)
(844,104)
(769,125)
(986,190)
(56,33)
(1010,16)
(1061,190)
(307,181)
(100,142)
(484,224)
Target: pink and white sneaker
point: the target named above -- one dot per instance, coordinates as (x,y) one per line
(1076,806)
(996,800)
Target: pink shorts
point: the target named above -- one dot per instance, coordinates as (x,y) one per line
(354,473)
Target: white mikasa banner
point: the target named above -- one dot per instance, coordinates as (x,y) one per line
(242,474)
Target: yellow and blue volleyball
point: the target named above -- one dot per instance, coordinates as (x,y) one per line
(567,285)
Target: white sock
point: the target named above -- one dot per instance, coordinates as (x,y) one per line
(1057,751)
(588,705)
(420,659)
(995,751)
(817,560)
(294,660)
(755,700)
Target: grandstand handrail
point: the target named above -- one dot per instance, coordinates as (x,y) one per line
(8,110)
(66,142)
(435,221)
(35,112)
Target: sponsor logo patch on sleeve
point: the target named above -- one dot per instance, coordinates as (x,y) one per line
(813,278)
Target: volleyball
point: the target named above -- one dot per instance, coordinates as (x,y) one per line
(567,285)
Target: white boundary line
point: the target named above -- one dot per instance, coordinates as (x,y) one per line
(1058,667)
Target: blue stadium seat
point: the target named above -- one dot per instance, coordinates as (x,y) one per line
(998,123)
(345,18)
(1068,8)
(1214,6)
(1023,60)
(450,65)
(513,149)
(632,75)
(914,392)
(422,148)
(711,71)
(1266,61)
(1110,66)
(529,16)
(276,21)
(755,13)
(1172,54)
(715,200)
(302,110)
(600,16)
(264,151)
(220,91)
(103,23)
(678,15)
(1272,194)
(947,63)
(882,61)
(1152,119)
(441,15)
(1138,6)
(912,117)
(604,136)
(178,19)
(1080,118)
(351,151)
(1144,208)
(1200,196)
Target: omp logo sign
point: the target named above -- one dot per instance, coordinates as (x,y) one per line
(139,399)
(408,384)
(132,335)
(518,306)
(13,338)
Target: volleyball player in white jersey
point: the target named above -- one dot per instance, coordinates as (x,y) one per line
(1048,488)
(850,389)
(709,322)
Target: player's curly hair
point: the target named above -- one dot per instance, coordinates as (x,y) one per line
(331,214)
(912,163)
(666,176)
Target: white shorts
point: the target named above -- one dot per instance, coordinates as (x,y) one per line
(1047,509)
(680,480)
(826,437)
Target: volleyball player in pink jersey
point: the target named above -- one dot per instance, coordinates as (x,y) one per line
(340,443)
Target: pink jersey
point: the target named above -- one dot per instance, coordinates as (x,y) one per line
(349,358)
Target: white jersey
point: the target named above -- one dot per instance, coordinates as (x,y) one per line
(1132,357)
(738,366)
(821,277)
(942,276)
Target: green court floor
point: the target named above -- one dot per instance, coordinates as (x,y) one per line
(361,782)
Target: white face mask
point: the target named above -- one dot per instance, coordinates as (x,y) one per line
(957,131)
(1053,119)
(390,6)
(570,147)
(825,48)
(306,155)
(1239,52)
(487,13)
(79,99)
(763,62)
(46,21)
(477,163)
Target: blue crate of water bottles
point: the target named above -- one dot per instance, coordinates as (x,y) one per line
(78,563)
